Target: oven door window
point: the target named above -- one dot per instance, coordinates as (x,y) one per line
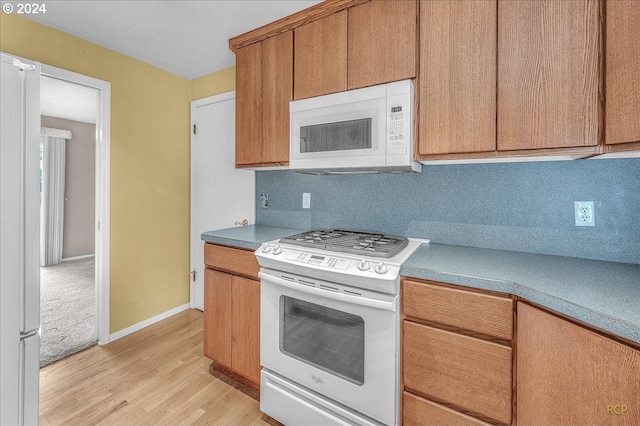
(344,135)
(326,338)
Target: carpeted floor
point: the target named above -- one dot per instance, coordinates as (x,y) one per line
(67,309)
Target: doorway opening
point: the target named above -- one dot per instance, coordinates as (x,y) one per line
(75,112)
(67,217)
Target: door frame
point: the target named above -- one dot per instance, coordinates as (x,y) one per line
(102,223)
(195,104)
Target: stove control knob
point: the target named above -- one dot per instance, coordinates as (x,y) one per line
(266,248)
(277,250)
(364,265)
(381,268)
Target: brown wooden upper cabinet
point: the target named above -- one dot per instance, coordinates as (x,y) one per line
(622,64)
(249,104)
(264,87)
(277,92)
(548,74)
(368,44)
(320,64)
(495,78)
(457,85)
(381,42)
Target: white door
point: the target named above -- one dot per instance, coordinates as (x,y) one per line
(221,195)
(19,230)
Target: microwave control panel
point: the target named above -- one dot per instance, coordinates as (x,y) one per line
(396,125)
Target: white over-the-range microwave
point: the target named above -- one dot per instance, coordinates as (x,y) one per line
(367,130)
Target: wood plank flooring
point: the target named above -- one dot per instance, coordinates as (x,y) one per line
(157,375)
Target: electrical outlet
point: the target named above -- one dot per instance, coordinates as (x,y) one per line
(264,200)
(585,214)
(306,200)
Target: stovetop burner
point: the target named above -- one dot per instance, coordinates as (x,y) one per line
(350,241)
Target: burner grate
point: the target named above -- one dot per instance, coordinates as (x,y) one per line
(354,242)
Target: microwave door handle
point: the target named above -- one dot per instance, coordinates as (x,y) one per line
(329,294)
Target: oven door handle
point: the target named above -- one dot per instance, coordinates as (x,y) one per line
(386,305)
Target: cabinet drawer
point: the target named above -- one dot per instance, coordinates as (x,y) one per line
(238,261)
(472,374)
(420,411)
(481,313)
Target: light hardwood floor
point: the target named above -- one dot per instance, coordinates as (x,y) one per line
(157,375)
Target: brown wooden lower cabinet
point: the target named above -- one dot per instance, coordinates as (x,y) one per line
(457,360)
(232,313)
(568,374)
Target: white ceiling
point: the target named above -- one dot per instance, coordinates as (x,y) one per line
(187,38)
(66,100)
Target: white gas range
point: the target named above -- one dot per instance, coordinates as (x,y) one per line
(329,330)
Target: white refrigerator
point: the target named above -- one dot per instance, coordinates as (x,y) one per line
(19,241)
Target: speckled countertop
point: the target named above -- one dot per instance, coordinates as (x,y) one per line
(603,294)
(251,236)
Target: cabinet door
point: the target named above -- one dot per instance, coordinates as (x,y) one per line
(382,42)
(548,74)
(320,60)
(622,64)
(217,316)
(246,328)
(277,92)
(570,375)
(249,104)
(457,85)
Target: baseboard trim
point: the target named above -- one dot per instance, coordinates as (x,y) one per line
(146,323)
(84,256)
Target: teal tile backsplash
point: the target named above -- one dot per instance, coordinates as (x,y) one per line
(524,207)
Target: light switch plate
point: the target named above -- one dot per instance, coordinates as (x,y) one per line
(306,200)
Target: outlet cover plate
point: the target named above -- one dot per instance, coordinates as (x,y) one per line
(584,213)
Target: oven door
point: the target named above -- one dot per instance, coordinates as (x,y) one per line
(338,341)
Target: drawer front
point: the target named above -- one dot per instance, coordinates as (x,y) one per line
(476,312)
(472,374)
(237,261)
(420,411)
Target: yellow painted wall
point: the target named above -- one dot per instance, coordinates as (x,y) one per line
(150,160)
(213,84)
